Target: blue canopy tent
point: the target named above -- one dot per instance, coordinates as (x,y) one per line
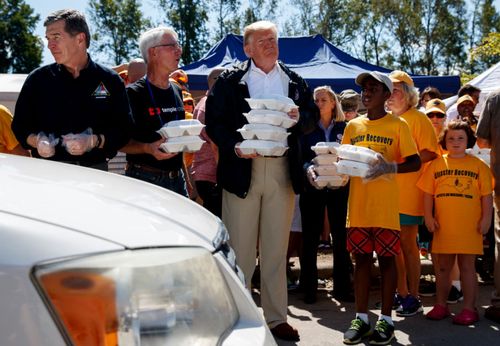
(312,57)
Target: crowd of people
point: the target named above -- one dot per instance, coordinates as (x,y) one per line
(80,112)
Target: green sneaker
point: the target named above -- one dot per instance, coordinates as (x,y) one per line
(357,331)
(383,333)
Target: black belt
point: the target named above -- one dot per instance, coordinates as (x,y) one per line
(172,174)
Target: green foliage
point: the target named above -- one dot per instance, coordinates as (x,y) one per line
(118,25)
(188,18)
(488,49)
(486,21)
(20,49)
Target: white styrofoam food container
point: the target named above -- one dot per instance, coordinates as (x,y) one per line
(356,153)
(273,101)
(328,170)
(262,147)
(325,148)
(177,128)
(271,117)
(263,131)
(483,154)
(352,168)
(325,159)
(332,181)
(182,144)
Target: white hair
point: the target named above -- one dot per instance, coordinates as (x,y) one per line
(153,37)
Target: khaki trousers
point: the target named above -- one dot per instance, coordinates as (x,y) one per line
(264,215)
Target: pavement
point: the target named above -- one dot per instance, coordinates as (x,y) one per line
(324,322)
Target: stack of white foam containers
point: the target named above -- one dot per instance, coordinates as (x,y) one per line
(265,133)
(325,165)
(181,136)
(355,161)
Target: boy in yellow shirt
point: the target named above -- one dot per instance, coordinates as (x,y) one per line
(373,210)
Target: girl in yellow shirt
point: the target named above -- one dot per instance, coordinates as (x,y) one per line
(457,184)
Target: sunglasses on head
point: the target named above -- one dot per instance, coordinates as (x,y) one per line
(436,115)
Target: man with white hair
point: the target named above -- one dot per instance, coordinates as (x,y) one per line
(258,198)
(154,102)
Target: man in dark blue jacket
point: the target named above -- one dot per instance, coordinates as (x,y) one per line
(258,197)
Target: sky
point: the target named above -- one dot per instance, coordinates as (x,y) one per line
(44,7)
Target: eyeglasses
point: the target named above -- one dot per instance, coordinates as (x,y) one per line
(436,115)
(175,45)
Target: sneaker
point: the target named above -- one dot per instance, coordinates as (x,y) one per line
(466,317)
(409,306)
(357,331)
(396,303)
(455,295)
(427,289)
(438,312)
(383,333)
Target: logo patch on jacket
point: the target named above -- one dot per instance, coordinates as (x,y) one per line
(101,92)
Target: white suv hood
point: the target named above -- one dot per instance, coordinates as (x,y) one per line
(105,205)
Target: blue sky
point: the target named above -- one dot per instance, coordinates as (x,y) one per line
(44,7)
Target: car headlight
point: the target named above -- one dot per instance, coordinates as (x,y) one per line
(221,243)
(173,296)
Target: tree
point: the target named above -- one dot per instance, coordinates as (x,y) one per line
(227,18)
(20,50)
(486,20)
(118,24)
(489,49)
(188,18)
(303,21)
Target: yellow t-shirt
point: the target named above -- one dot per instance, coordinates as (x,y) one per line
(411,198)
(7,139)
(375,203)
(457,185)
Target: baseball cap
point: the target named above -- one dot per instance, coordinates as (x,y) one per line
(435,106)
(382,78)
(349,99)
(398,76)
(465,98)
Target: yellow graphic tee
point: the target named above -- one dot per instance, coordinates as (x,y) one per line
(7,139)
(376,203)
(457,185)
(411,198)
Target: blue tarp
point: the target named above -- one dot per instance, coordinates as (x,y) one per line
(312,57)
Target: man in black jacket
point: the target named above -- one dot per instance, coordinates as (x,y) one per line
(74,110)
(258,196)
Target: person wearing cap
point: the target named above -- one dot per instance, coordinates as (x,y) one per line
(258,191)
(155,101)
(465,108)
(349,99)
(373,222)
(488,136)
(403,103)
(467,89)
(435,110)
(204,166)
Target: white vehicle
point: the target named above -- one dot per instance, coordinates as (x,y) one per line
(94,258)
